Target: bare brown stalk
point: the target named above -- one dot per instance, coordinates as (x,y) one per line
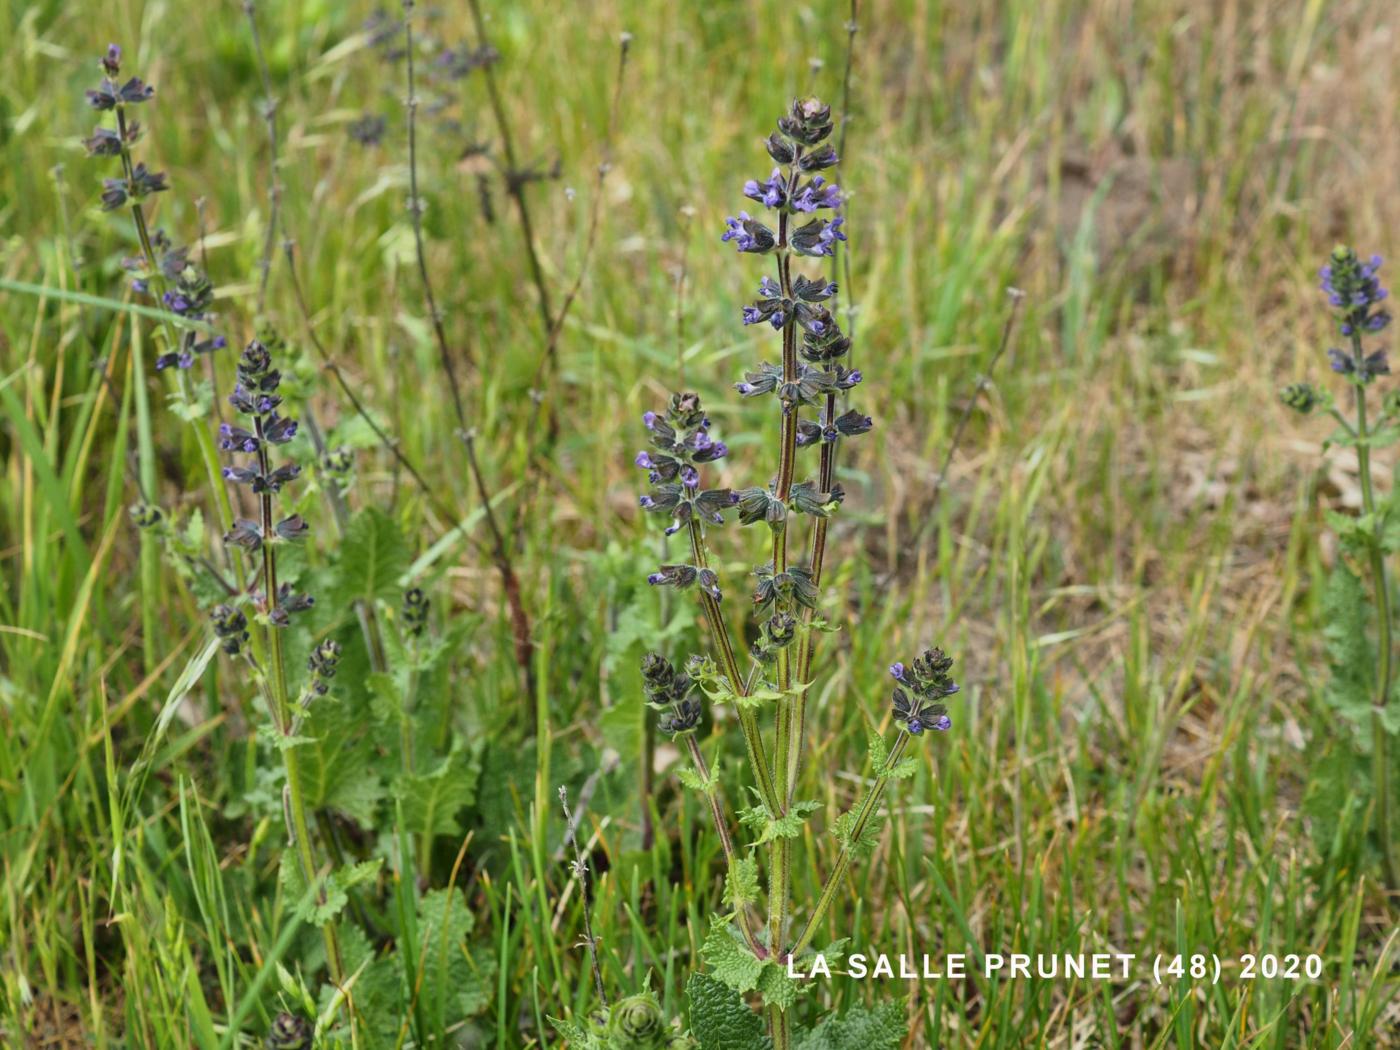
(500,552)
(515,186)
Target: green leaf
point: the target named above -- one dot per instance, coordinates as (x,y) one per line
(693,780)
(869,836)
(373,556)
(385,697)
(1351,527)
(431,801)
(788,826)
(379,987)
(875,745)
(338,762)
(334,890)
(719,1017)
(905,768)
(578,1037)
(455,983)
(883,1028)
(777,988)
(741,882)
(730,960)
(1346,616)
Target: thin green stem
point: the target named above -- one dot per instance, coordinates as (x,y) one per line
(281,702)
(832,885)
(716,804)
(748,723)
(784,760)
(1380,759)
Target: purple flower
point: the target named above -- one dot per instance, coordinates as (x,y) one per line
(280,430)
(649,420)
(246,534)
(918,699)
(748,235)
(1354,288)
(771,193)
(292,528)
(236,439)
(104,142)
(818,237)
(817,194)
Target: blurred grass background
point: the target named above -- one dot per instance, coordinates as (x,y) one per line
(1122,558)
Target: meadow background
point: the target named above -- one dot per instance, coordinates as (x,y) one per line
(1123,556)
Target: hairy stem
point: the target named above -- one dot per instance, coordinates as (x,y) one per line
(784,760)
(748,722)
(1380,759)
(716,804)
(281,703)
(872,798)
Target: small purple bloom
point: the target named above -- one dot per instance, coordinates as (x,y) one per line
(748,235)
(644,461)
(816,194)
(897,671)
(769,193)
(649,420)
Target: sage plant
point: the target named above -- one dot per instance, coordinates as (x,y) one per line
(1362,694)
(257,399)
(774,674)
